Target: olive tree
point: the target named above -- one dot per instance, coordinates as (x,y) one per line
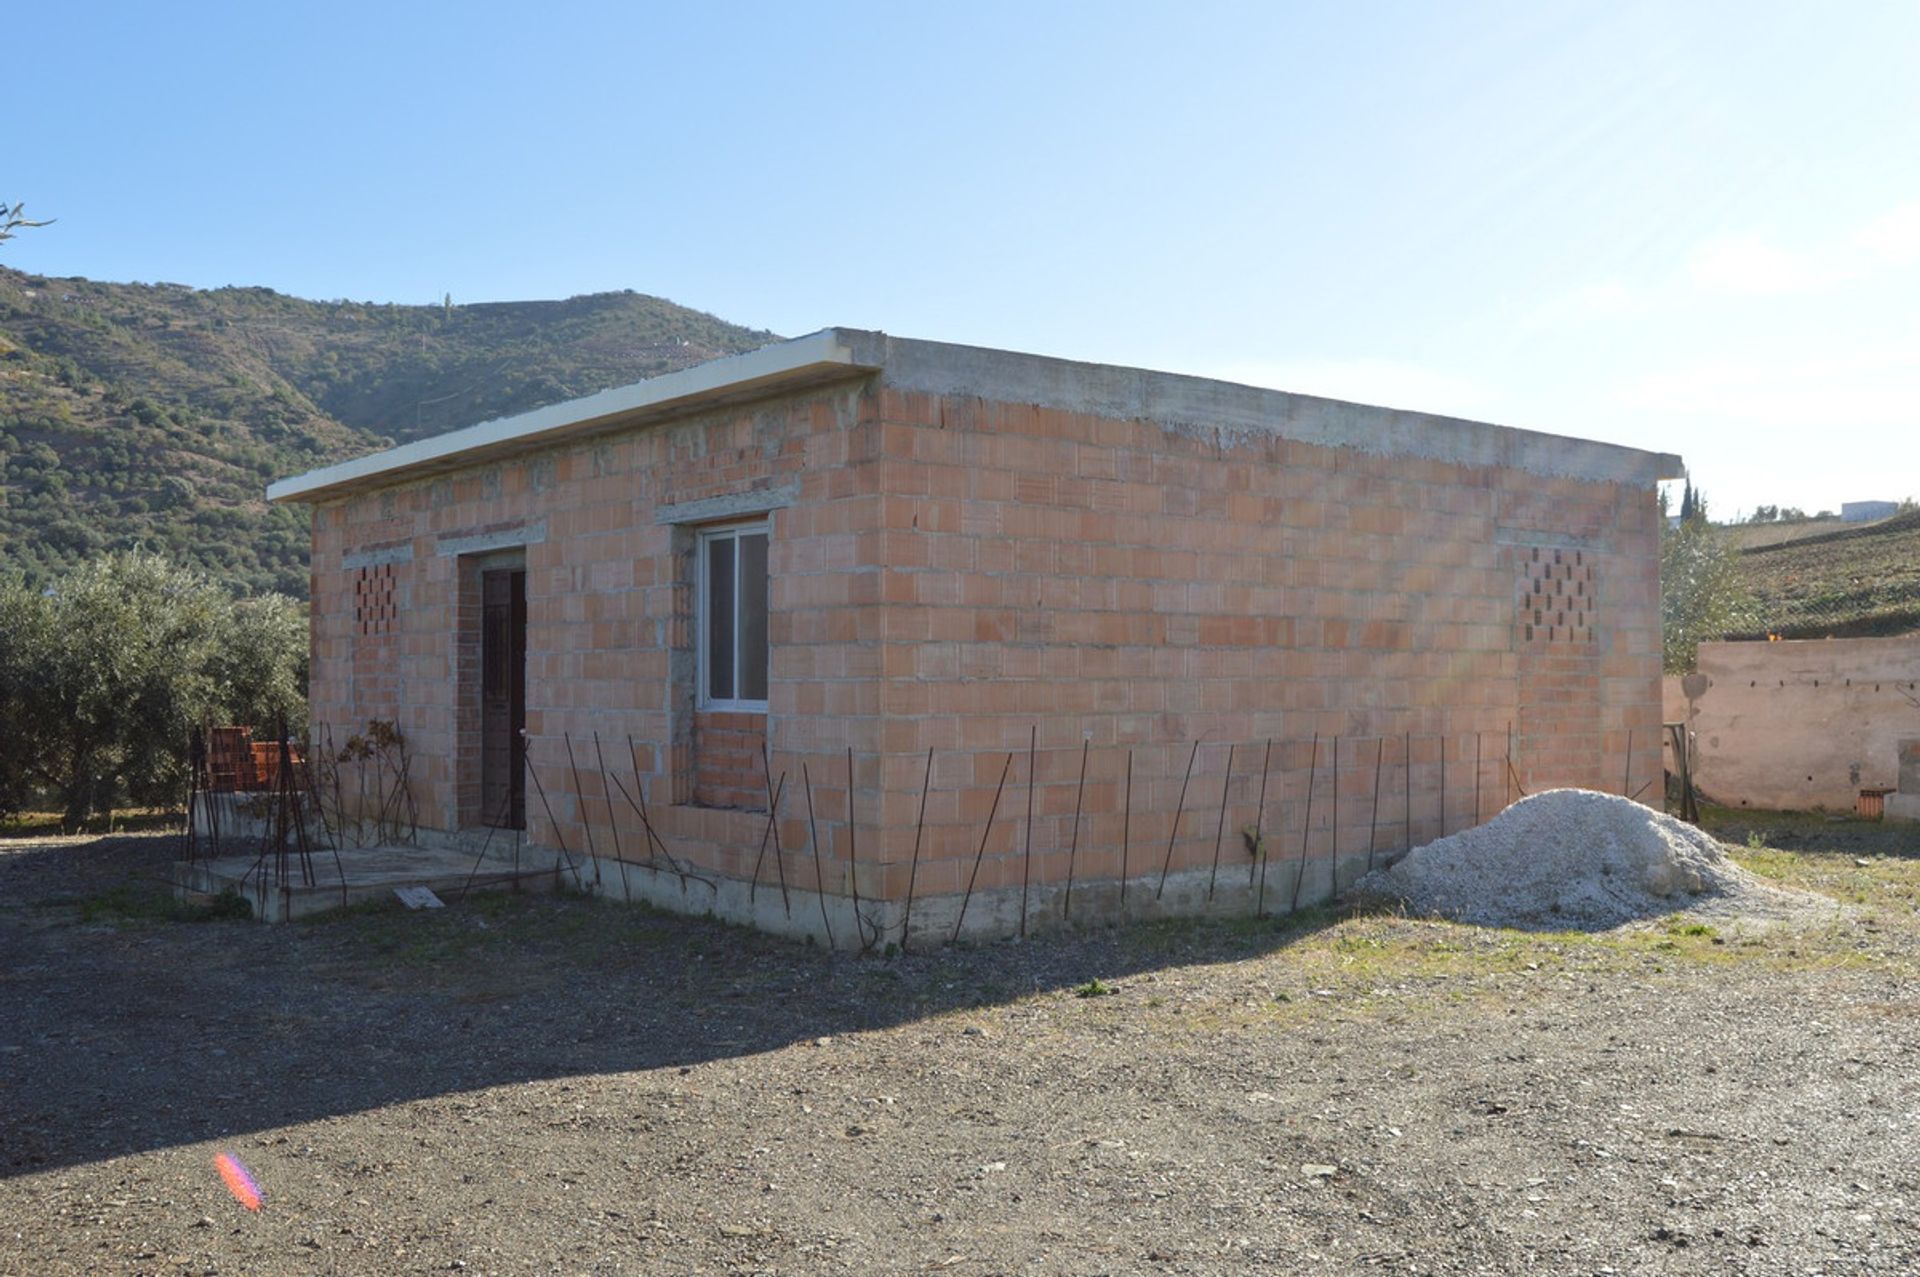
(26,639)
(1702,596)
(104,673)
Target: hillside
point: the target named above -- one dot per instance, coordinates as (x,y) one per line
(1863,579)
(156,414)
(1757,536)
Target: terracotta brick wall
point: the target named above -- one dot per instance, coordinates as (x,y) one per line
(966,576)
(610,627)
(727,767)
(1133,589)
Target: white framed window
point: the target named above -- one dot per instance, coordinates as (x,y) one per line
(732,575)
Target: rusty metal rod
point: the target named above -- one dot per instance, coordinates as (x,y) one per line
(1220,828)
(773,809)
(655,841)
(978,855)
(1333,865)
(1259,861)
(813,836)
(1306,825)
(1477,768)
(913,872)
(613,823)
(1506,795)
(1179,808)
(1409,788)
(1073,844)
(506,814)
(1373,818)
(559,835)
(580,805)
(853,859)
(339,798)
(773,817)
(320,807)
(1126,830)
(1026,870)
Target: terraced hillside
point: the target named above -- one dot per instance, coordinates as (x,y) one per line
(1861,580)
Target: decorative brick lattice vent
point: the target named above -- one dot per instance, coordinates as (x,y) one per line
(1557,596)
(373,605)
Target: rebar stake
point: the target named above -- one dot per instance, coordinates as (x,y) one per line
(813,836)
(1477,769)
(1259,861)
(580,805)
(613,822)
(853,860)
(1220,829)
(1409,789)
(1073,844)
(654,840)
(978,855)
(1506,795)
(558,836)
(1333,865)
(1373,817)
(1179,808)
(773,809)
(1026,869)
(913,872)
(1306,825)
(773,815)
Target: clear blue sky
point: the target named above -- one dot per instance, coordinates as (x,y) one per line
(1693,227)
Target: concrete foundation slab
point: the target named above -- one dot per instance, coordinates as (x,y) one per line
(357,874)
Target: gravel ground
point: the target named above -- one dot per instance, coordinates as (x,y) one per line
(550,1085)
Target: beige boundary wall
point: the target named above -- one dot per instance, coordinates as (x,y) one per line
(1800,724)
(976,553)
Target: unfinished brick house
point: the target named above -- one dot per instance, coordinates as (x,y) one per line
(1065,640)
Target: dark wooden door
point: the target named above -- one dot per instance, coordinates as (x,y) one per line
(503,698)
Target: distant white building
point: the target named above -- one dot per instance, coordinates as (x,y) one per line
(1867,511)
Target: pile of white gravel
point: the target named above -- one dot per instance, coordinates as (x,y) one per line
(1575,859)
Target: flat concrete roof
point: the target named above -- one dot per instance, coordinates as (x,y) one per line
(1179,402)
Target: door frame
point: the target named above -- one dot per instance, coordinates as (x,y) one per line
(471,715)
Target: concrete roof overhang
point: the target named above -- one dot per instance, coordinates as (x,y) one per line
(1223,411)
(790,365)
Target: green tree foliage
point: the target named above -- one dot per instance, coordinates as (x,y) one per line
(26,648)
(106,669)
(1702,595)
(259,662)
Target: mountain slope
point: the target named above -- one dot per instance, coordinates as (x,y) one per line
(1858,580)
(136,414)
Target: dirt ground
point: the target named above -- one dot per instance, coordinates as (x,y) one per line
(523,1084)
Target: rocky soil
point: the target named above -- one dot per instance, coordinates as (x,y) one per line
(549,1085)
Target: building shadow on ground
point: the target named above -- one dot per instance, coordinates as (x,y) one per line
(128,1023)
